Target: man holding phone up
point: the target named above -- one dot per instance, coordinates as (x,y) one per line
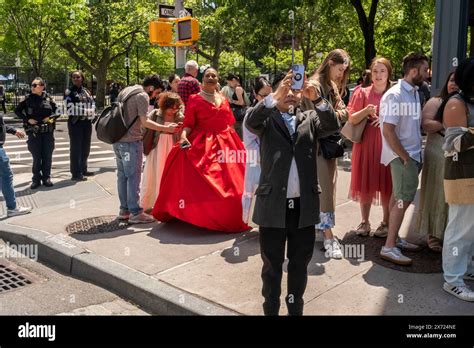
(287,203)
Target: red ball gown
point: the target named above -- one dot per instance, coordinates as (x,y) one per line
(203,185)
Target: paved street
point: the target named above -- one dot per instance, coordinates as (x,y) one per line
(54,293)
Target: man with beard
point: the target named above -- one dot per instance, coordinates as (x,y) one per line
(400,115)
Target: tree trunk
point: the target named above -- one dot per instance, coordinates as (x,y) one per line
(101,76)
(366,24)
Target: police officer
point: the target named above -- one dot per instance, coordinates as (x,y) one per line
(81,110)
(38,112)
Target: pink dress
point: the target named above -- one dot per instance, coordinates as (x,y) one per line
(371,181)
(154,166)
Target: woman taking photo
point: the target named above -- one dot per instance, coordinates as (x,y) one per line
(335,68)
(37,111)
(433,210)
(204,173)
(371,181)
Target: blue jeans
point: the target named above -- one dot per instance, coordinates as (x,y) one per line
(129,157)
(458,244)
(6,180)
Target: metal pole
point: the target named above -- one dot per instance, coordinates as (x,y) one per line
(138,69)
(292,18)
(127,66)
(180,51)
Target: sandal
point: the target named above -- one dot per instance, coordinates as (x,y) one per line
(435,244)
(363,229)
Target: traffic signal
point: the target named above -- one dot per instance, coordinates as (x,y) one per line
(161,33)
(188,30)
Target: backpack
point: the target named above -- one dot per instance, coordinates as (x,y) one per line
(111,125)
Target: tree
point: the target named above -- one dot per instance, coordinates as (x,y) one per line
(28,22)
(96,33)
(367,26)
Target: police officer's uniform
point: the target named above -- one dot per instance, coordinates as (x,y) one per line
(81,110)
(41,135)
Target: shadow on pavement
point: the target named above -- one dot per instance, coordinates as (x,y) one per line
(179,232)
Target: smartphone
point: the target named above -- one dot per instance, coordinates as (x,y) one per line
(185,145)
(298,76)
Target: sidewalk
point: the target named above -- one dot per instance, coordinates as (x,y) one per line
(176,268)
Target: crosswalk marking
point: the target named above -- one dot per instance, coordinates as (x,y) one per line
(16,153)
(93,160)
(55,144)
(21,159)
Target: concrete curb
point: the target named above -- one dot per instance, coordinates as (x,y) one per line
(148,292)
(14,120)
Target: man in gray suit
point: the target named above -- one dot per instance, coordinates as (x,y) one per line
(287,203)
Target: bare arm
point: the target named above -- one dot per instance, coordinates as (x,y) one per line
(428,122)
(147,123)
(239,92)
(394,142)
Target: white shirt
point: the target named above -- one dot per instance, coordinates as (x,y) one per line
(400,106)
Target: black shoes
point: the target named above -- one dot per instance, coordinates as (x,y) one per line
(47,183)
(35,185)
(88,174)
(78,178)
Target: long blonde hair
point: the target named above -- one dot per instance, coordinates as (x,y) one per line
(337,56)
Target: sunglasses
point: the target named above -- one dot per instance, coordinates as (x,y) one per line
(34,85)
(263,95)
(75,77)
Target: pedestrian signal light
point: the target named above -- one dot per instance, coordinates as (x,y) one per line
(188,29)
(161,33)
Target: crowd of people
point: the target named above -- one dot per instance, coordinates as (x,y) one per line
(214,162)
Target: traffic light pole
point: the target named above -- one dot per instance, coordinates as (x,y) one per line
(180,51)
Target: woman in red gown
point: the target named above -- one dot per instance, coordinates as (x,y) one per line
(202,184)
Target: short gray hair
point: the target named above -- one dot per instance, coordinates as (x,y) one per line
(191,64)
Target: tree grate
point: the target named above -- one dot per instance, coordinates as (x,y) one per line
(95,225)
(11,279)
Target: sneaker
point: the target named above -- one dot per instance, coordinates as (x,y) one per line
(402,244)
(395,255)
(333,249)
(142,218)
(124,215)
(461,292)
(381,231)
(363,229)
(469,276)
(18,211)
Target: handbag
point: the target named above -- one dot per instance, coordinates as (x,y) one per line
(332,146)
(149,137)
(354,132)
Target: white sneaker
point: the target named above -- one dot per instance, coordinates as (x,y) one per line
(395,255)
(18,211)
(142,218)
(402,244)
(461,292)
(333,249)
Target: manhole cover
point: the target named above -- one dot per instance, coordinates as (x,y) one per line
(94,225)
(424,260)
(12,279)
